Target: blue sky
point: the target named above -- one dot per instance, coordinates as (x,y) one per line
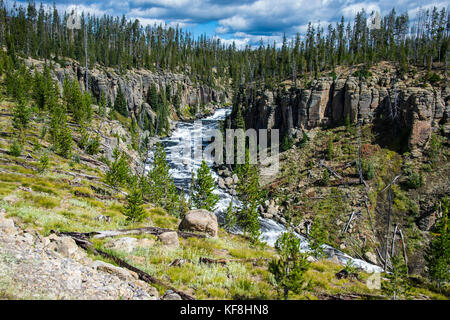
(243,21)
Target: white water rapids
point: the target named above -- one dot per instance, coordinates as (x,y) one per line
(182,165)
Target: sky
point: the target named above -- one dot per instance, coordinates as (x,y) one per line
(243,21)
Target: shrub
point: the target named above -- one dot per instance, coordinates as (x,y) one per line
(16,149)
(93,146)
(43,163)
(330,152)
(325,178)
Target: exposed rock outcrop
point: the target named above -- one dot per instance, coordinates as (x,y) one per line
(329,101)
(135,85)
(200,221)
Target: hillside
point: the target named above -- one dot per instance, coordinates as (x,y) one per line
(92,207)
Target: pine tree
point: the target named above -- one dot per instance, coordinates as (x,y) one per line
(330,152)
(397,286)
(160,187)
(290,268)
(134,210)
(152,97)
(203,196)
(64,141)
(437,255)
(118,172)
(120,104)
(249,193)
(230,217)
(21,116)
(317,237)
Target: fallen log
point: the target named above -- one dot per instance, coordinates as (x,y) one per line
(80,240)
(226,261)
(334,173)
(147,230)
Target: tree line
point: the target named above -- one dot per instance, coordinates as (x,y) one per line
(121,43)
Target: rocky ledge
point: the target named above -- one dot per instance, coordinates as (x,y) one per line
(36,267)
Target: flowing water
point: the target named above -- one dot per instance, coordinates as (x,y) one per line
(187,136)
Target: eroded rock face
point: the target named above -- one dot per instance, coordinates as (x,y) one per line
(200,221)
(331,102)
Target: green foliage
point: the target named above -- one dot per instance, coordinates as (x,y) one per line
(45,93)
(287,143)
(102,105)
(330,151)
(118,173)
(159,186)
(203,196)
(250,194)
(93,146)
(325,181)
(133,209)
(368,170)
(21,115)
(120,104)
(16,149)
(43,163)
(348,123)
(64,141)
(304,140)
(438,251)
(77,102)
(435,148)
(432,78)
(397,286)
(289,269)
(152,97)
(413,180)
(230,217)
(317,237)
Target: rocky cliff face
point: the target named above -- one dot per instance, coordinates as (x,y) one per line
(135,85)
(329,101)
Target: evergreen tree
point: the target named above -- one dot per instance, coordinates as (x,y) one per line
(21,116)
(203,196)
(134,210)
(160,187)
(120,104)
(249,193)
(317,236)
(152,97)
(118,172)
(230,217)
(289,269)
(397,286)
(438,251)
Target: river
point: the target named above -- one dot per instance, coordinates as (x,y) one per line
(187,135)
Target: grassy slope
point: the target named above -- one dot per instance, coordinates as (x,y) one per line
(59,201)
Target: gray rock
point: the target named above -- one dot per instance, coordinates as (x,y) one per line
(113,270)
(170,295)
(125,244)
(370,257)
(169,239)
(200,221)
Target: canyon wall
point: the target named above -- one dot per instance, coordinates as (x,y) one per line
(331,102)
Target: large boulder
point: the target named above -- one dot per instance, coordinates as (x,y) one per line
(200,221)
